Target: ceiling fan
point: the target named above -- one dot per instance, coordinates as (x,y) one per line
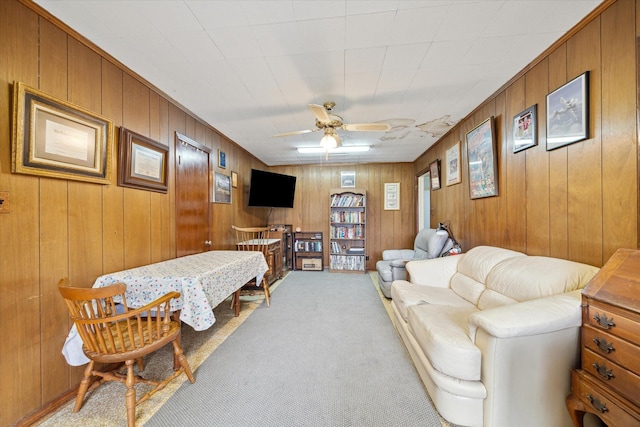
(329,123)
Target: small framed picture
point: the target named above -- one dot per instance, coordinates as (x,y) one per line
(434,169)
(221,188)
(452,166)
(348,179)
(234,179)
(142,162)
(222,159)
(568,113)
(392,196)
(525,129)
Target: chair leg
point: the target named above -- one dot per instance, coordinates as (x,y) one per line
(84,386)
(131,395)
(267,294)
(177,350)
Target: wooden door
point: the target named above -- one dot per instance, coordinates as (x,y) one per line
(192,197)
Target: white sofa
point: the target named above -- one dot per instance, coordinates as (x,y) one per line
(493,334)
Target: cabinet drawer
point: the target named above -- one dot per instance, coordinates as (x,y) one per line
(614,321)
(612,410)
(610,374)
(611,347)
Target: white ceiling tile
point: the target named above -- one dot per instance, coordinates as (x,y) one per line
(218,14)
(369,30)
(238,42)
(315,10)
(249,68)
(407,56)
(260,12)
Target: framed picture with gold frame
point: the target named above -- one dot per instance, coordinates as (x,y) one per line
(54,138)
(142,162)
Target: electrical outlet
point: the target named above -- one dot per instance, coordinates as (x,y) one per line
(4,202)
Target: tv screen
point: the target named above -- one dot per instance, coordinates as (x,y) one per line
(271,190)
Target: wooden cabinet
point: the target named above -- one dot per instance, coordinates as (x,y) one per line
(347,232)
(307,250)
(285,234)
(608,380)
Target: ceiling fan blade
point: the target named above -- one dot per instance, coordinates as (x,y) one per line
(298,132)
(368,127)
(320,112)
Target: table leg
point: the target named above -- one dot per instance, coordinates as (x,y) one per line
(236,302)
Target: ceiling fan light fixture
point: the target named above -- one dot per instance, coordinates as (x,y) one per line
(328,141)
(338,150)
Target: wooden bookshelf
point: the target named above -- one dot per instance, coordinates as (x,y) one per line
(347,231)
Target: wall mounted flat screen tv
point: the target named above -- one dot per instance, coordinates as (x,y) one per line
(271,190)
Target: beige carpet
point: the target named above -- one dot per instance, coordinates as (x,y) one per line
(105,406)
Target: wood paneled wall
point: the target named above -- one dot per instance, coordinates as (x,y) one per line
(386,229)
(58,228)
(578,202)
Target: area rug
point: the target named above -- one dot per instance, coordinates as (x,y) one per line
(324,354)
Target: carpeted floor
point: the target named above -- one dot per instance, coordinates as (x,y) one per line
(105,406)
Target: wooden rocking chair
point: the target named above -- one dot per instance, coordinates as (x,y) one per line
(112,333)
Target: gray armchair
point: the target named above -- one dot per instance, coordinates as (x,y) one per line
(428,244)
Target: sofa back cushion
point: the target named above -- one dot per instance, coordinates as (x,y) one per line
(525,278)
(429,244)
(469,280)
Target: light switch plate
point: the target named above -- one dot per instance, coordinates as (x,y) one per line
(4,202)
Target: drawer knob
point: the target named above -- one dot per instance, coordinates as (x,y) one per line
(603,345)
(595,402)
(603,321)
(602,370)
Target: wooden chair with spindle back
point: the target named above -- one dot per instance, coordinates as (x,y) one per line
(254,239)
(112,333)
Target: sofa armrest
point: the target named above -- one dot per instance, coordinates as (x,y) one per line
(539,316)
(390,254)
(433,272)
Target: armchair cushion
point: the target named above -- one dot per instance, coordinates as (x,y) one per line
(428,244)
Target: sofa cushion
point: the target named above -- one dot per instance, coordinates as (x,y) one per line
(526,278)
(384,270)
(473,269)
(405,294)
(443,335)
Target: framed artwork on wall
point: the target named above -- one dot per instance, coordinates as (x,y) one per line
(348,179)
(222,159)
(481,157)
(392,196)
(434,170)
(142,162)
(221,188)
(56,139)
(234,179)
(568,113)
(525,129)
(452,165)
